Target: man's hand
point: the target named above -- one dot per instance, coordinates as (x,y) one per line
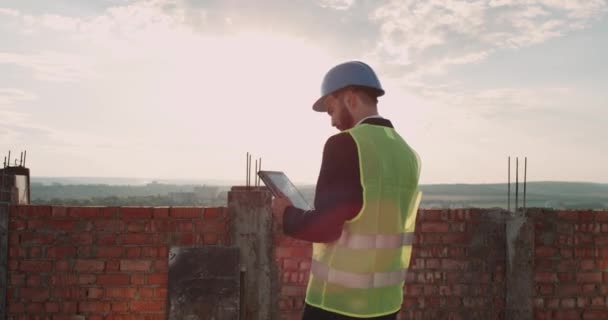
(279,204)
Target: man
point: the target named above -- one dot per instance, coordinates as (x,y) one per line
(365,205)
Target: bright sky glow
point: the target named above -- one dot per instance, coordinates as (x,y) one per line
(183,89)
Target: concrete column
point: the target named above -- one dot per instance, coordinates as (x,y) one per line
(251,219)
(8,196)
(520,267)
(4,207)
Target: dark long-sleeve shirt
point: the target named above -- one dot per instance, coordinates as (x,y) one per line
(338,195)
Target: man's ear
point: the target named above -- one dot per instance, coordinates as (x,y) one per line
(351,99)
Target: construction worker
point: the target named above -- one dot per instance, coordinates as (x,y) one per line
(366,202)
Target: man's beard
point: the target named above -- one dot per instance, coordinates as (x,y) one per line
(346,119)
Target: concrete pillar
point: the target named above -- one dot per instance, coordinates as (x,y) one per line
(14,189)
(520,266)
(251,219)
(204,283)
(4,206)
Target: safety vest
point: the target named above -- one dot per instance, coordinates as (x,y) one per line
(362,273)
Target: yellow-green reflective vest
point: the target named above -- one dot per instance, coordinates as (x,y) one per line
(362,273)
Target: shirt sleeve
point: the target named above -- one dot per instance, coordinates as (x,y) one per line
(338,195)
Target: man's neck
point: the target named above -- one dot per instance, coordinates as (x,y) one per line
(373,115)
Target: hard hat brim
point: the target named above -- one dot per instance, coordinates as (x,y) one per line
(319,106)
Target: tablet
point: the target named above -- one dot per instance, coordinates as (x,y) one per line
(278,182)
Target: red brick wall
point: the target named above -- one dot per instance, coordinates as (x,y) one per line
(457,271)
(571,265)
(100,262)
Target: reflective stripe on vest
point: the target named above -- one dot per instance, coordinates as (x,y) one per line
(357,280)
(375,241)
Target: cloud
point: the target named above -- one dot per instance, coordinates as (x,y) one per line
(9,12)
(431,35)
(51,66)
(9,97)
(336,4)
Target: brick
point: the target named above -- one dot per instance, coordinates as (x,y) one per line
(545,277)
(94,293)
(61,252)
(146,293)
(133,253)
(210,238)
(135,265)
(157,278)
(34,294)
(15,307)
(63,266)
(545,252)
(61,225)
(64,279)
(137,238)
(186,213)
(31,211)
(34,252)
(119,306)
(154,252)
(35,266)
(106,239)
(85,212)
(121,293)
(79,239)
(135,213)
(160,293)
(211,213)
(571,216)
(211,226)
(147,306)
(34,308)
(565,277)
(568,303)
(34,280)
(109,225)
(68,293)
(585,253)
(87,279)
(17,280)
(93,307)
(36,239)
(587,265)
(160,212)
(161,265)
(587,277)
(586,216)
(186,239)
(113,266)
(181,226)
(139,226)
(113,279)
(595,314)
(569,289)
(87,266)
(568,315)
(138,279)
(109,252)
(17,225)
(435,227)
(452,264)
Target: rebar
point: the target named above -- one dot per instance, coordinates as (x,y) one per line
(525,178)
(516,182)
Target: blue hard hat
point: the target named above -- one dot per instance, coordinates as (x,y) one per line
(352,73)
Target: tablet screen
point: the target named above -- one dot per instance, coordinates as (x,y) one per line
(277,180)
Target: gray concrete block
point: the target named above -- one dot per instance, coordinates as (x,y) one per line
(203,283)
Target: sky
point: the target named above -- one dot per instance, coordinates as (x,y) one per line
(183,89)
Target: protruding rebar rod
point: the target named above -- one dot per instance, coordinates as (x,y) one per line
(516,182)
(24,155)
(509,185)
(525,179)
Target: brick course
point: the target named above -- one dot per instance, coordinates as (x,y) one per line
(100,262)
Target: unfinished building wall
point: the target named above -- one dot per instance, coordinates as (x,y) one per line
(100,262)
